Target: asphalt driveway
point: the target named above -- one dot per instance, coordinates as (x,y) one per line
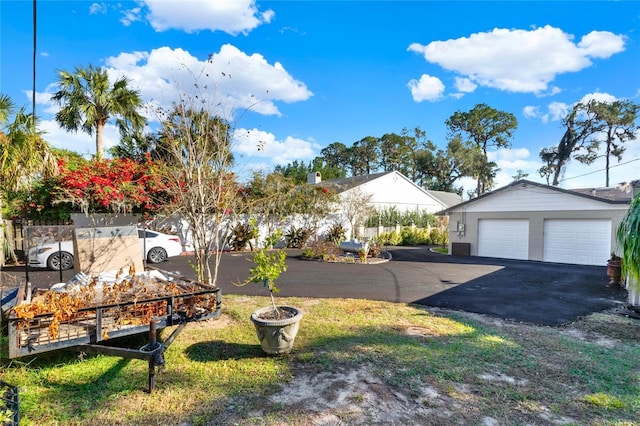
(533,292)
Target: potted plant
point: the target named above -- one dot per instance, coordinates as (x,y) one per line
(614,270)
(276,326)
(628,237)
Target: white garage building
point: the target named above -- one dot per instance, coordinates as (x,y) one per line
(531,221)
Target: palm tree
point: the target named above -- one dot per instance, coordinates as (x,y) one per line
(6,108)
(88,102)
(24,154)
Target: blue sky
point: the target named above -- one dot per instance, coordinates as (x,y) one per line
(338,71)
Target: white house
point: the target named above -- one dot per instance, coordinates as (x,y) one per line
(390,189)
(531,221)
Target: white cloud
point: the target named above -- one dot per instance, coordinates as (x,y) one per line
(228,82)
(80,142)
(601,44)
(531,111)
(230,79)
(519,60)
(233,17)
(557,111)
(465,85)
(508,155)
(554,90)
(96,8)
(252,144)
(599,97)
(130,16)
(428,88)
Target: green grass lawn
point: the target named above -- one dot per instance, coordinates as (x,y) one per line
(354,362)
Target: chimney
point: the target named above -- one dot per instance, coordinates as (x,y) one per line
(314,177)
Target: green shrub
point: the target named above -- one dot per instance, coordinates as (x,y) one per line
(412,237)
(392,238)
(391,217)
(298,237)
(273,239)
(321,250)
(308,253)
(336,234)
(242,234)
(374,248)
(439,237)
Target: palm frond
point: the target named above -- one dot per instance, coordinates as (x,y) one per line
(628,236)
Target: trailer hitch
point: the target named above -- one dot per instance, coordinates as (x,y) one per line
(152,352)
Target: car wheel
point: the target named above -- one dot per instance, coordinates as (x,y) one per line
(157,255)
(60,260)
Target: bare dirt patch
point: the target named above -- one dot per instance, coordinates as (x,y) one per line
(358,396)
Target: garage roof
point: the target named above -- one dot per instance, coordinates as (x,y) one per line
(621,194)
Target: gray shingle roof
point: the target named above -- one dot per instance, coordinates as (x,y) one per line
(622,192)
(447,199)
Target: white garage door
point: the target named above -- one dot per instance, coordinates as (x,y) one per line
(581,242)
(505,238)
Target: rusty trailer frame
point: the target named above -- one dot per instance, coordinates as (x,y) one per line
(91,328)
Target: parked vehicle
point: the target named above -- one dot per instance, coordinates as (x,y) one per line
(159,247)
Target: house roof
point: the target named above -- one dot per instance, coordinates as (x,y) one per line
(446,199)
(345,184)
(622,194)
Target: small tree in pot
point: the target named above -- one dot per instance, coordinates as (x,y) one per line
(276,326)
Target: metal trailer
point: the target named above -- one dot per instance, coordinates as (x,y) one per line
(90,328)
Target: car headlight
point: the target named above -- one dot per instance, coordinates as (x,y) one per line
(42,250)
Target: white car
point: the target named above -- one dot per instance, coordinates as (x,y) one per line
(159,247)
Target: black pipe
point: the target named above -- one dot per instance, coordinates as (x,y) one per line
(153,345)
(25,247)
(59,256)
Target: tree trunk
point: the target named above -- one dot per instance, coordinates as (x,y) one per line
(607,164)
(99,141)
(557,173)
